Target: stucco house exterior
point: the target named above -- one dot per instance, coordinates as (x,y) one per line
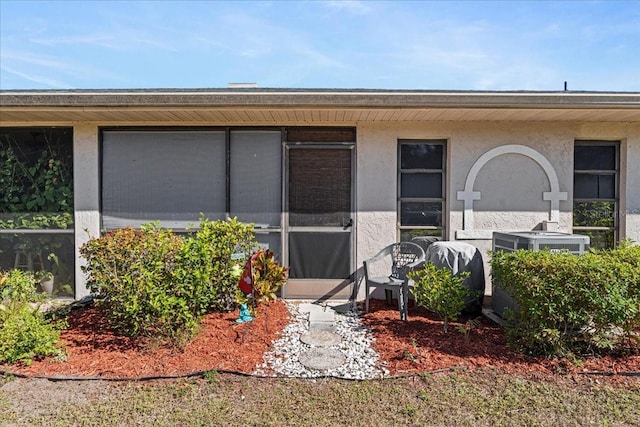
(331,176)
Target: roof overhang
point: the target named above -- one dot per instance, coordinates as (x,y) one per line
(285,106)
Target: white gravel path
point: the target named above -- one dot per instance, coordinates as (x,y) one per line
(362,360)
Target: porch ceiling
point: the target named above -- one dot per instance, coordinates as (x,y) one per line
(282,107)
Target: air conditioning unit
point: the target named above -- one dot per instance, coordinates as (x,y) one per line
(576,244)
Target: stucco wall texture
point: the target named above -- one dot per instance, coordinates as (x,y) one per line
(511,185)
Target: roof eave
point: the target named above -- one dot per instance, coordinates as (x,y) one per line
(261,98)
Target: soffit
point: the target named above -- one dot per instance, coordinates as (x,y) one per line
(271,107)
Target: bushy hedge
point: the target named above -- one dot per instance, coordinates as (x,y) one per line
(207,265)
(130,272)
(154,283)
(570,304)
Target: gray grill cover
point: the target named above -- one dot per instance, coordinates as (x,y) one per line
(459,257)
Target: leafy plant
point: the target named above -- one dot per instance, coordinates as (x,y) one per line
(570,304)
(40,183)
(437,290)
(18,285)
(25,335)
(153,283)
(268,276)
(412,355)
(207,265)
(130,272)
(466,328)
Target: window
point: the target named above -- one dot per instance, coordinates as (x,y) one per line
(166,176)
(172,176)
(36,205)
(595,191)
(421,188)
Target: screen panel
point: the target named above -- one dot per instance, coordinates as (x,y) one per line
(321,255)
(166,176)
(256,177)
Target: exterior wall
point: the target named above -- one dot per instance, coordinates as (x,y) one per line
(511,186)
(86,190)
(630,184)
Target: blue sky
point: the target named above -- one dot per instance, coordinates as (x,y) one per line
(444,45)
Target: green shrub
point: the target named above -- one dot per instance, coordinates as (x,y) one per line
(567,303)
(18,285)
(151,282)
(438,291)
(25,335)
(131,274)
(206,267)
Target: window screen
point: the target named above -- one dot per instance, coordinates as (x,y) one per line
(319,187)
(256,170)
(170,176)
(421,183)
(595,191)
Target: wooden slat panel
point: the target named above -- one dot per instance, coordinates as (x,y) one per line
(290,115)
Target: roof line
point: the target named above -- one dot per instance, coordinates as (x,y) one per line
(316,98)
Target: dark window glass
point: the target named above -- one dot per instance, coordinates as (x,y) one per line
(606,187)
(421,156)
(595,157)
(594,214)
(599,239)
(421,213)
(421,185)
(587,186)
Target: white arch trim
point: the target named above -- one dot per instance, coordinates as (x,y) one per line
(468,195)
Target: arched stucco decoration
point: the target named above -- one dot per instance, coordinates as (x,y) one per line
(468,195)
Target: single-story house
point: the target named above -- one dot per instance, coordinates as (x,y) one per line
(330,176)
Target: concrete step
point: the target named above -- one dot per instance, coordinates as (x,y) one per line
(321,338)
(322,358)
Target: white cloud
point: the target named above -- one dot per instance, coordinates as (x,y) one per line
(36,78)
(353,6)
(114,40)
(40,69)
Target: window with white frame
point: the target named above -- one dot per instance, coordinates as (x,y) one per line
(421,188)
(596,191)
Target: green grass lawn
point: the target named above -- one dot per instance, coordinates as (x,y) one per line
(474,398)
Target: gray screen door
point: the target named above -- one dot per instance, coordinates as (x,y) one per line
(319,216)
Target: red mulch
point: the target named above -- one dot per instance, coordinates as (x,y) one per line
(416,346)
(421,345)
(95,351)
